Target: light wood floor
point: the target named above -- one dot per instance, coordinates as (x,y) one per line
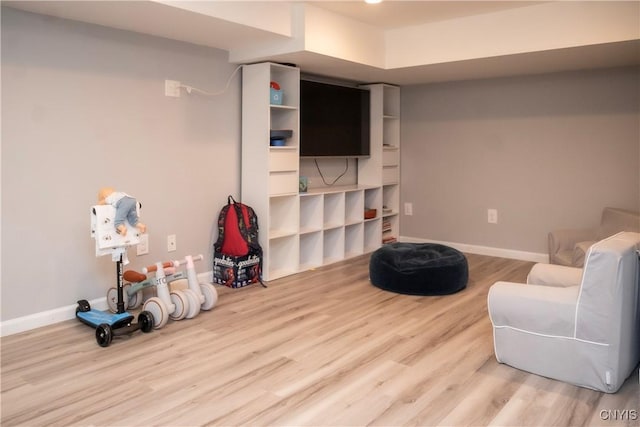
(322,348)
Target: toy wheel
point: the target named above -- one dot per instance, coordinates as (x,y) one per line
(146,321)
(83,306)
(158,310)
(135,300)
(112,300)
(210,296)
(125,295)
(104,335)
(194,303)
(180,300)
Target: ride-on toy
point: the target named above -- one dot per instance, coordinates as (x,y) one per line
(109,324)
(178,295)
(134,285)
(108,241)
(167,304)
(205,292)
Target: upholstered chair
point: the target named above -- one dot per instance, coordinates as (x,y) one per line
(569,246)
(580,326)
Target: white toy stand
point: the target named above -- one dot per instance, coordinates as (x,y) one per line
(109,242)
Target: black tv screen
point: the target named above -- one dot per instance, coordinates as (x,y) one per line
(334,120)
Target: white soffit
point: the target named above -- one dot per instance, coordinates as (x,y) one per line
(403,42)
(204,23)
(538,28)
(391,14)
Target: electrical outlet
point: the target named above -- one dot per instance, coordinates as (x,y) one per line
(172,88)
(408,208)
(171,243)
(492,216)
(143,246)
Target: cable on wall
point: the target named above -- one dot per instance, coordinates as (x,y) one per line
(346,168)
(190,89)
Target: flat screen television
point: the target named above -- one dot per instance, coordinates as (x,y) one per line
(334,120)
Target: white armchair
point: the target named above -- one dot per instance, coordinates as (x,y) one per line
(580,326)
(569,246)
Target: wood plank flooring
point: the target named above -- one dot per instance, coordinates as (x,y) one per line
(321,348)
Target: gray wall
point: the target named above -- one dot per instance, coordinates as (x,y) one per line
(547,151)
(83,107)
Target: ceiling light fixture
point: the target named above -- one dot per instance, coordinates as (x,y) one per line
(372,1)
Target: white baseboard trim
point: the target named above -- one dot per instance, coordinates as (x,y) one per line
(56,315)
(44,318)
(484,250)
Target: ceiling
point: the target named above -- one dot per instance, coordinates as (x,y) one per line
(398,13)
(242,25)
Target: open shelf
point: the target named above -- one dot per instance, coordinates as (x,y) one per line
(283,256)
(354,207)
(354,240)
(311,210)
(333,210)
(333,245)
(311,254)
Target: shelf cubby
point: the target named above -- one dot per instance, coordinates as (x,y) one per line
(333,210)
(372,233)
(373,200)
(391,132)
(390,199)
(391,101)
(354,240)
(354,207)
(333,245)
(311,210)
(283,256)
(283,216)
(311,253)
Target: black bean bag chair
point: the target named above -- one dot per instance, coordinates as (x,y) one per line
(419,269)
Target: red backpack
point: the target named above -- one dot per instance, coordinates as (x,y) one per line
(237,229)
(238,244)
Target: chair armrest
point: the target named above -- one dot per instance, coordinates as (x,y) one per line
(554,275)
(580,252)
(565,239)
(534,309)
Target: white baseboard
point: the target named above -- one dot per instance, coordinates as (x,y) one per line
(49,317)
(484,250)
(44,318)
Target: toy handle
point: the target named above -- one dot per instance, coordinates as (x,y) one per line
(186,260)
(152,268)
(134,276)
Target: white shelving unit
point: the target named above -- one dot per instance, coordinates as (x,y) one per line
(390,164)
(300,231)
(270,173)
(383,166)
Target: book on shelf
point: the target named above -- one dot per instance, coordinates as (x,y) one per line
(387,237)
